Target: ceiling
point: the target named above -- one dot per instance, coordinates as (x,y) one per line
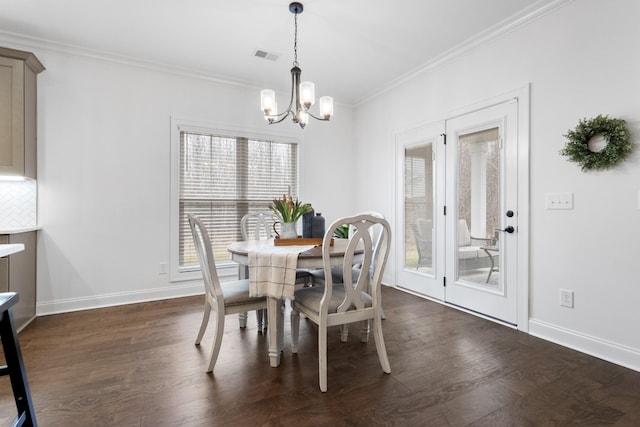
(351,49)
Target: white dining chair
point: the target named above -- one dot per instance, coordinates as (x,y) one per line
(317,276)
(221,298)
(357,299)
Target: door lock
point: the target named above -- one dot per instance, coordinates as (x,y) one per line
(509,214)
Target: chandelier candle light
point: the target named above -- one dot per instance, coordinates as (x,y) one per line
(302,93)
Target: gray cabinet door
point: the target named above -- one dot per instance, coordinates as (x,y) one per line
(18,274)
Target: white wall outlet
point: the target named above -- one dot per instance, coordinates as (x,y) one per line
(163,268)
(566,298)
(559,200)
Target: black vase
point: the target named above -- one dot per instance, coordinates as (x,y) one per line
(307,223)
(317,226)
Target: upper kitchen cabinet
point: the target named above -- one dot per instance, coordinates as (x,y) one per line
(18,108)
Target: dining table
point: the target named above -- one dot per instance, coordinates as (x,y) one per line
(311,258)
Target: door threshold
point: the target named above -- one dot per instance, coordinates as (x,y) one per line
(458,307)
(484,316)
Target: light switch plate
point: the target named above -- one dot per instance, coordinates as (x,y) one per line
(559,200)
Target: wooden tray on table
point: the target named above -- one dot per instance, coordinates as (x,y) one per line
(299,241)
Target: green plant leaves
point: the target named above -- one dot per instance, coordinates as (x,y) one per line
(288,210)
(615,133)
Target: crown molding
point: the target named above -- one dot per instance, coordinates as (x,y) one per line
(531,14)
(506,26)
(29,43)
(25,42)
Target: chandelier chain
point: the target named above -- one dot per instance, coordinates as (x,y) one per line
(295,40)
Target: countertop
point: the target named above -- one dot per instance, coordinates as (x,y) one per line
(6,250)
(20,230)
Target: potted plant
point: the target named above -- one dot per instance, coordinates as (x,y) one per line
(288,212)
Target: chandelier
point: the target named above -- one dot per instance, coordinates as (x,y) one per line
(302,93)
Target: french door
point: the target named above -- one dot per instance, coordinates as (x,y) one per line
(482,220)
(420,197)
(458,199)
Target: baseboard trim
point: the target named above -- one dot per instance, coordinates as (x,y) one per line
(185,289)
(602,349)
(593,346)
(45,308)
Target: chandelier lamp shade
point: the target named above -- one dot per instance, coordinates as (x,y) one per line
(302,93)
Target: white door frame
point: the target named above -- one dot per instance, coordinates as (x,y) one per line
(523,96)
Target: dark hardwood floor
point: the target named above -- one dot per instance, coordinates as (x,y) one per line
(136,365)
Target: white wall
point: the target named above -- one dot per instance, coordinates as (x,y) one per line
(581,61)
(104,166)
(104,172)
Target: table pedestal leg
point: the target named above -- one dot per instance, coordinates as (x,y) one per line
(276,329)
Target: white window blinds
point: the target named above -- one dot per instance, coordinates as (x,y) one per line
(222,178)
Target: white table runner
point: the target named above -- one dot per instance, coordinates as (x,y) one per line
(272,270)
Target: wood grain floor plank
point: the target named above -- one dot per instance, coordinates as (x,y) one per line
(136,365)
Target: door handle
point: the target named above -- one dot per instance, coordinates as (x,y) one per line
(509,229)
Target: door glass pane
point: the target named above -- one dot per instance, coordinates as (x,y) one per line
(418,207)
(479,207)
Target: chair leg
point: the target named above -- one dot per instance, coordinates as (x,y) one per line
(344,332)
(261,317)
(242,318)
(380,301)
(322,356)
(295,330)
(380,347)
(205,321)
(243,273)
(217,341)
(364,331)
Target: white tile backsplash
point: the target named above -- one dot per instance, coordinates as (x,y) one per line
(18,204)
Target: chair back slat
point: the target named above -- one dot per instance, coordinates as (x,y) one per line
(376,234)
(354,286)
(257,226)
(202,244)
(369,241)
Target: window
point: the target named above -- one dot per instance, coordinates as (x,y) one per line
(222,178)
(418,206)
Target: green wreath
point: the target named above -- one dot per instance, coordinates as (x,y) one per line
(615,134)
